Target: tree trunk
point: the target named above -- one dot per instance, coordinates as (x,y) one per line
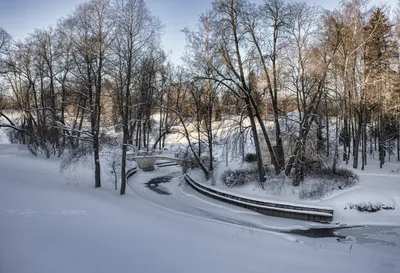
(398,140)
(96,151)
(299,167)
(375,135)
(357,136)
(274,160)
(260,165)
(336,153)
(123,166)
(327,127)
(381,144)
(345,140)
(364,137)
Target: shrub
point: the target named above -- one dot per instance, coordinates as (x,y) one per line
(15,136)
(240,177)
(324,180)
(342,178)
(313,166)
(250,157)
(277,184)
(369,207)
(189,161)
(316,190)
(395,171)
(107,140)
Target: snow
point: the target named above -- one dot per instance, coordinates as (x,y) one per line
(269,207)
(49,224)
(188,202)
(3,137)
(375,186)
(238,194)
(58,222)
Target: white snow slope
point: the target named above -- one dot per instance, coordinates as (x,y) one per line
(48,224)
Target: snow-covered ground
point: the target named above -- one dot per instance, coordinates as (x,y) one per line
(376,186)
(3,137)
(52,222)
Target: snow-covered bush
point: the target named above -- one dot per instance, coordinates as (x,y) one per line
(250,157)
(107,140)
(78,157)
(395,171)
(113,164)
(323,181)
(347,176)
(370,207)
(239,177)
(277,184)
(14,136)
(342,178)
(188,159)
(315,190)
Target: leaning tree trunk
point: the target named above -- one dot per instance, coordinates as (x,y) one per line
(271,150)
(260,164)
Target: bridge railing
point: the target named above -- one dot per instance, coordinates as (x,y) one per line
(286,210)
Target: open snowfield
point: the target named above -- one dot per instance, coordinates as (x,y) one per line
(59,223)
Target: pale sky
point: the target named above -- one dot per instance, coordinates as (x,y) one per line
(20,17)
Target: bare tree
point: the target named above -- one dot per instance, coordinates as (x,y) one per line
(91,40)
(269,18)
(307,72)
(231,45)
(137,37)
(5,44)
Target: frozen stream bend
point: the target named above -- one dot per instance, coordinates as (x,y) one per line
(168,191)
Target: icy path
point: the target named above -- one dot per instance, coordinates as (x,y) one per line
(47,225)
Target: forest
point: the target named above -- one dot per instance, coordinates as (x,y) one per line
(300,85)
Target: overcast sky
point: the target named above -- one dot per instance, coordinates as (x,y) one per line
(20,17)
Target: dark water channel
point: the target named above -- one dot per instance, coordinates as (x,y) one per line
(154,184)
(381,235)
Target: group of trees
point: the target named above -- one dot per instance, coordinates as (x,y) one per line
(65,81)
(337,66)
(103,65)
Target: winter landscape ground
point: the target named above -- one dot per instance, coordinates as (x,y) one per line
(376,187)
(277,107)
(52,222)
